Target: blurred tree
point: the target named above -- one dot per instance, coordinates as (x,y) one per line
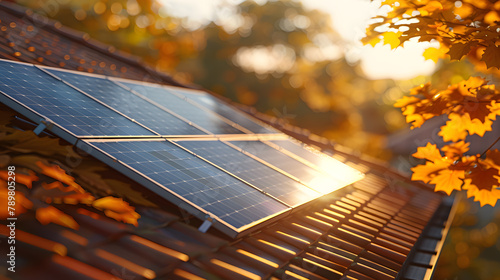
(276,56)
(463,29)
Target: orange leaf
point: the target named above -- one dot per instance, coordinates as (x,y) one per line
(484,196)
(84,198)
(428,170)
(51,214)
(57,185)
(491,17)
(26,180)
(405,101)
(455,150)
(454,129)
(126,217)
(21,202)
(429,152)
(59,174)
(448,180)
(112,203)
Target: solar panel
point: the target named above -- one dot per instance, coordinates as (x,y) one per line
(128,103)
(160,95)
(38,95)
(195,181)
(224,110)
(320,160)
(323,182)
(201,172)
(265,178)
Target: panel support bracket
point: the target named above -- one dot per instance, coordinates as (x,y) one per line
(44,123)
(209,220)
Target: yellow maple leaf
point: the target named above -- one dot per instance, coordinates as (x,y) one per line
(483,196)
(425,172)
(432,54)
(455,150)
(392,39)
(406,101)
(454,130)
(429,152)
(448,180)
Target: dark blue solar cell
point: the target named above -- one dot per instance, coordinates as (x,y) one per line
(202,118)
(62,104)
(226,111)
(129,104)
(320,181)
(195,180)
(262,176)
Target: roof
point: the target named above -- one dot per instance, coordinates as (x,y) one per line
(382,227)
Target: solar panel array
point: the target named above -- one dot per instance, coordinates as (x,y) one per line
(195,151)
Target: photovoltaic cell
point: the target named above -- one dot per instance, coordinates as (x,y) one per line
(324,162)
(310,176)
(63,105)
(198,116)
(226,111)
(265,178)
(129,104)
(195,180)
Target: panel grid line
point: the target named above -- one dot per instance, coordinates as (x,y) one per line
(28,86)
(159,106)
(230,173)
(206,119)
(275,182)
(94,99)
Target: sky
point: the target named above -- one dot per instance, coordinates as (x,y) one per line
(349,18)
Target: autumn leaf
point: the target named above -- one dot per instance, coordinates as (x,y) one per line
(21,206)
(20,178)
(59,174)
(491,17)
(491,56)
(429,152)
(458,50)
(454,151)
(117,209)
(112,203)
(392,39)
(493,159)
(432,54)
(482,183)
(454,130)
(425,172)
(51,214)
(57,185)
(126,217)
(448,180)
(83,198)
